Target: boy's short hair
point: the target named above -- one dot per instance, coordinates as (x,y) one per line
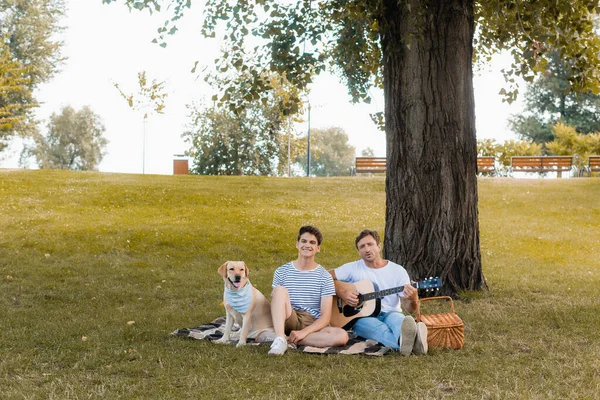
(313,230)
(364,233)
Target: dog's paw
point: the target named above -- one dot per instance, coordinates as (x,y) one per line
(221,341)
(240,344)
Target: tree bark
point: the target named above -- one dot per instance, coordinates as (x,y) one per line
(432,226)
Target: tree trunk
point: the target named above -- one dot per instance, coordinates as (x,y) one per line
(432,226)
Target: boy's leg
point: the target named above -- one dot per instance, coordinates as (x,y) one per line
(326,337)
(281,309)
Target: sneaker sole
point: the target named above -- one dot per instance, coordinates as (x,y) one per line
(421,346)
(408,335)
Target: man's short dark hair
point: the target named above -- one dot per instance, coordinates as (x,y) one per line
(365,233)
(313,230)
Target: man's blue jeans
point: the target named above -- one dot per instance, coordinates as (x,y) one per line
(385,328)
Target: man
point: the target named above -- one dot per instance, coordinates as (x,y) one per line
(391,327)
(302,298)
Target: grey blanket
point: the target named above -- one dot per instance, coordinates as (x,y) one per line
(214,330)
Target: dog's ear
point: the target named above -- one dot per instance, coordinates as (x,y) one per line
(223,270)
(246,269)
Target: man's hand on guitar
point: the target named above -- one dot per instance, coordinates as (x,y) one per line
(410,301)
(410,293)
(350,297)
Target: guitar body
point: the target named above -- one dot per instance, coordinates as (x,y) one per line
(369,300)
(344,315)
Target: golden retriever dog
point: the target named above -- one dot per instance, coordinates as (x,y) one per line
(245,305)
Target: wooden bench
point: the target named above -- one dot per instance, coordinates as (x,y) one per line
(541,164)
(486,165)
(593,165)
(370,165)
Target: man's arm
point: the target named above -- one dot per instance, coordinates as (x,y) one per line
(410,301)
(345,291)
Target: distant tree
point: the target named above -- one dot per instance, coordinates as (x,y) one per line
(550,99)
(74,141)
(503,152)
(569,142)
(149,99)
(29,28)
(13,81)
(253,140)
(368,152)
(512,148)
(331,154)
(487,147)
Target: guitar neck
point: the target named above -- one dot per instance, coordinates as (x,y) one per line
(382,293)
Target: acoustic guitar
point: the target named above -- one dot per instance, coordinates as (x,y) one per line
(344,315)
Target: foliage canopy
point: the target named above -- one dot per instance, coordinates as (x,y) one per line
(29,29)
(13,80)
(302,38)
(549,99)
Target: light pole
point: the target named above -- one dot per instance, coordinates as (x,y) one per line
(289,152)
(308,153)
(144,148)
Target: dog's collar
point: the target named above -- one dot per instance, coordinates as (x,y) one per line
(241,299)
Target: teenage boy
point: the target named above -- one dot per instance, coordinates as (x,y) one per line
(302,298)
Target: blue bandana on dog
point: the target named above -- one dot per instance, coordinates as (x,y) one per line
(240,300)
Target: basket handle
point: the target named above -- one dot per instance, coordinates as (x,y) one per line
(435,298)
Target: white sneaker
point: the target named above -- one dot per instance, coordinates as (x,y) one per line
(278,347)
(420,346)
(408,334)
(265,337)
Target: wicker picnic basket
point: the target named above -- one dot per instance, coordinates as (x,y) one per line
(444,331)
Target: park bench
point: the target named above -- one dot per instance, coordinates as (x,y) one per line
(370,165)
(486,165)
(592,166)
(541,164)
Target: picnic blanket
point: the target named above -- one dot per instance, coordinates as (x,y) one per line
(214,330)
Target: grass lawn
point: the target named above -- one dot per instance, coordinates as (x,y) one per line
(97,269)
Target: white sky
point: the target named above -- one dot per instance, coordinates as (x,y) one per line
(107,43)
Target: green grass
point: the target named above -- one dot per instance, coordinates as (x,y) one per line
(81,254)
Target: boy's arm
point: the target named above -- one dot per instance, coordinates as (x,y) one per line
(318,324)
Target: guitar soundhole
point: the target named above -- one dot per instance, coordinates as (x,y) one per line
(350,311)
